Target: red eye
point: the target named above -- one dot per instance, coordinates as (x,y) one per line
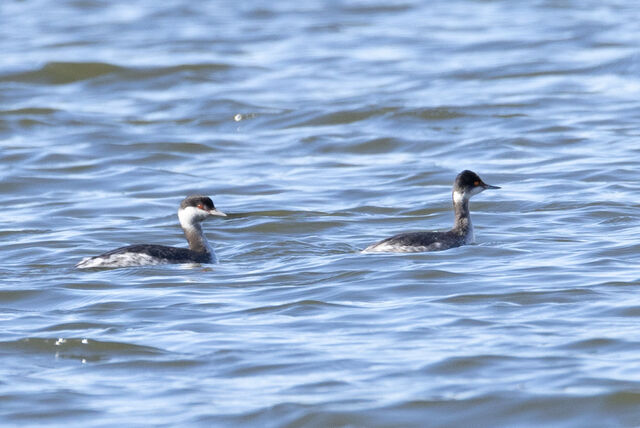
(200,206)
(476,183)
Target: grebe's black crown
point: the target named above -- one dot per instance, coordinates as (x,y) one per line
(467,179)
(470,181)
(195,200)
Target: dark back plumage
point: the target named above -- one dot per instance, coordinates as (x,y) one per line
(162,252)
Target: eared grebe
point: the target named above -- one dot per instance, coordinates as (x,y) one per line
(193,211)
(466,185)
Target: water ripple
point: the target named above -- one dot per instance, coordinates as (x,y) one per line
(345,128)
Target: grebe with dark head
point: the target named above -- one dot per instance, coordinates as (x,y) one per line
(466,185)
(193,210)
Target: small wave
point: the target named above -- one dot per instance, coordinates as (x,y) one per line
(79,348)
(59,73)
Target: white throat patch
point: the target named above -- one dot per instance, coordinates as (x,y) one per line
(189,216)
(477,190)
(459,197)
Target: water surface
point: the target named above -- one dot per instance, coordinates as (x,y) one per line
(320,128)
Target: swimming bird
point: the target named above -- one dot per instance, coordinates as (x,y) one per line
(193,210)
(466,185)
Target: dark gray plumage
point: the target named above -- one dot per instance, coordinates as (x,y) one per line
(193,211)
(466,184)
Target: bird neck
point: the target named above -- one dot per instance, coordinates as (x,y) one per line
(190,223)
(196,239)
(462,223)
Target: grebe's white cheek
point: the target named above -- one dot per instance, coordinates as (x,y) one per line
(476,190)
(188,216)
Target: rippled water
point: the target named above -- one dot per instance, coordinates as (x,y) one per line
(321,127)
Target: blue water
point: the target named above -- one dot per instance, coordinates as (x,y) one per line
(320,128)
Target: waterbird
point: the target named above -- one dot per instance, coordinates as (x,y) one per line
(466,185)
(193,211)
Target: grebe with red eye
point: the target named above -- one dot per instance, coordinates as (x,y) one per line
(467,184)
(193,210)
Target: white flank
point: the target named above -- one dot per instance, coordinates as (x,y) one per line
(395,248)
(119,260)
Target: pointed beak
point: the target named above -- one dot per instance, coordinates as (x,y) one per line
(489,186)
(216,212)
